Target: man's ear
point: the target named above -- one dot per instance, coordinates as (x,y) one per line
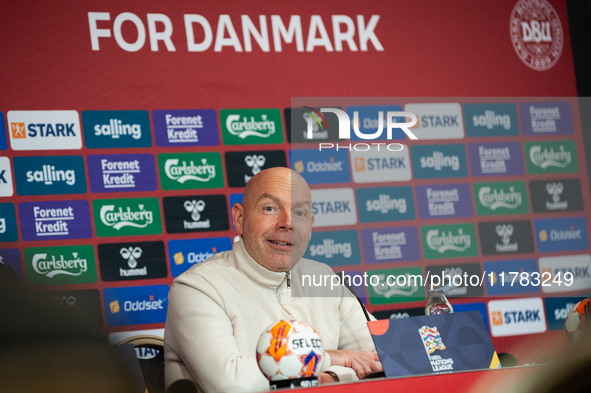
(311,225)
(238,217)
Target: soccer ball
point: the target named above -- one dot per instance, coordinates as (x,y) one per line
(290,349)
(575,320)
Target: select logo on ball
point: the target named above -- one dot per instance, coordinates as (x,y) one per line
(290,350)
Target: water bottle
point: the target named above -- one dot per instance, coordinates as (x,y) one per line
(438,303)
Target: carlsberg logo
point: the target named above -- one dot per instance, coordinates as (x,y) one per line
(123,218)
(184,172)
(50,267)
(498,198)
(444,242)
(545,158)
(243,128)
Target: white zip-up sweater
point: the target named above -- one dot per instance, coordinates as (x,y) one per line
(218,309)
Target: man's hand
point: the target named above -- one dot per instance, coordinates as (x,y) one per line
(362,362)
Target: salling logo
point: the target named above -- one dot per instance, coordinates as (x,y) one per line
(442,202)
(53,266)
(439,160)
(384,204)
(116,128)
(243,128)
(543,119)
(546,158)
(330,248)
(493,160)
(505,231)
(126,218)
(448,242)
(499,198)
(555,190)
(183,172)
(388,245)
(119,174)
(49,174)
(131,255)
(490,120)
(182,129)
(255,162)
(536,34)
(195,208)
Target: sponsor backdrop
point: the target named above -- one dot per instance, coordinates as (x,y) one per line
(126,137)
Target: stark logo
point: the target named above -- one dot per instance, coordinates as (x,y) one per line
(536,34)
(497,318)
(18,130)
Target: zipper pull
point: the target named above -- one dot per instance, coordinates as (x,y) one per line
(288,276)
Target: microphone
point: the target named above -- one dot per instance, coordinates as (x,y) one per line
(347,284)
(182,386)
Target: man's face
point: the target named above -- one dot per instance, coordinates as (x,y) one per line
(276,219)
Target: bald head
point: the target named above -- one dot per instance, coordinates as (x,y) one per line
(278,176)
(275,218)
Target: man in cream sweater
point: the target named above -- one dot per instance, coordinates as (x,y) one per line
(219,308)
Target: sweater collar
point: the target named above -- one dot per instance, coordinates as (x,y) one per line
(258,274)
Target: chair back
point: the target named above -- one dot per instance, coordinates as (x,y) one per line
(153,368)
